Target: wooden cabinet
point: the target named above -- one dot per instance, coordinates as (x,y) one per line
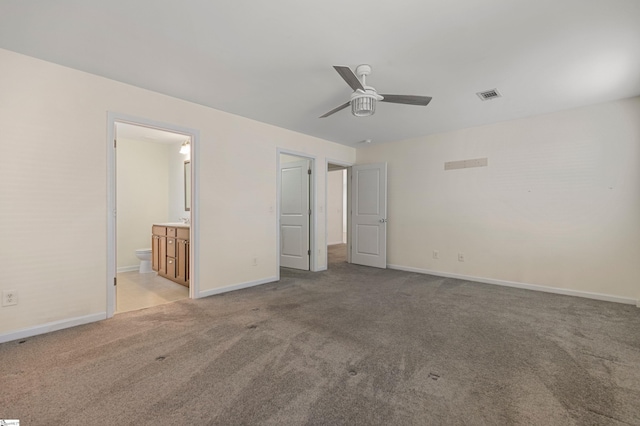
(170,253)
(159,248)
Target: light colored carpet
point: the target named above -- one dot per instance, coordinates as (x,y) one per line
(349,346)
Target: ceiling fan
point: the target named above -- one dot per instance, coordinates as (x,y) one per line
(363,99)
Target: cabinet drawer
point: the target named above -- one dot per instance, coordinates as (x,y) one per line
(171,232)
(171,247)
(158,230)
(183,233)
(171,267)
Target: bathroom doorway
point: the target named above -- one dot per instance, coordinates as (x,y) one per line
(151,173)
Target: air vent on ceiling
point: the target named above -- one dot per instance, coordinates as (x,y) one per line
(489,94)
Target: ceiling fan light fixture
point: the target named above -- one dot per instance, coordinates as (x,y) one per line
(363,106)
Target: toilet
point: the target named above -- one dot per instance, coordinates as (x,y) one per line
(145,260)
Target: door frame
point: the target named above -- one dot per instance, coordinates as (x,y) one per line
(313,202)
(194,135)
(347,166)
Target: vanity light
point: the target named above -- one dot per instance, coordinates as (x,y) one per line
(185,148)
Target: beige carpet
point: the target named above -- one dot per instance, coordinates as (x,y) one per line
(349,346)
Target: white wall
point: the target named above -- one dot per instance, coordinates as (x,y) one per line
(53,187)
(334,206)
(142,195)
(557,206)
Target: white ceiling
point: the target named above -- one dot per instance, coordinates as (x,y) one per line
(272,60)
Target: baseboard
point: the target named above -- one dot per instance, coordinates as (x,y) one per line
(534,287)
(235,287)
(51,326)
(128,268)
(335,244)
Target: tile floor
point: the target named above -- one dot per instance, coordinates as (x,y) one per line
(138,291)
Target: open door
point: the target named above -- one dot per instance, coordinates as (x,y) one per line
(369,215)
(294,215)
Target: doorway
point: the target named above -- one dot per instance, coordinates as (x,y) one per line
(337,208)
(151,182)
(366,215)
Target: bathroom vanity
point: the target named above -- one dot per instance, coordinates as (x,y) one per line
(170,251)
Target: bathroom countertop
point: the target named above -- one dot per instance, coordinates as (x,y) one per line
(174,224)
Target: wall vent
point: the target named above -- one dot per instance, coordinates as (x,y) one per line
(489,94)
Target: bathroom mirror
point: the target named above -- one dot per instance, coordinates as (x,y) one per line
(187,186)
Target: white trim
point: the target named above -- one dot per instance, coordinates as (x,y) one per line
(313,198)
(194,135)
(194,217)
(128,268)
(335,244)
(525,286)
(235,287)
(52,326)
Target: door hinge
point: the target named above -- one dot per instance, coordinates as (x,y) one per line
(115,281)
(115,143)
(309,212)
(309,252)
(309,171)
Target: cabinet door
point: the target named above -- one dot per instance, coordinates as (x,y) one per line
(162,255)
(182,262)
(155,252)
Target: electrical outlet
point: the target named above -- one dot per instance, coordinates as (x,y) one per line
(254,261)
(436,254)
(460,257)
(9,298)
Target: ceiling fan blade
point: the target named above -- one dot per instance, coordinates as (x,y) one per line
(349,77)
(407,99)
(343,106)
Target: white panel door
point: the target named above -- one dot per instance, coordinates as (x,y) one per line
(294,215)
(369,215)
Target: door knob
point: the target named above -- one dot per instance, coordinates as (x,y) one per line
(383,220)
